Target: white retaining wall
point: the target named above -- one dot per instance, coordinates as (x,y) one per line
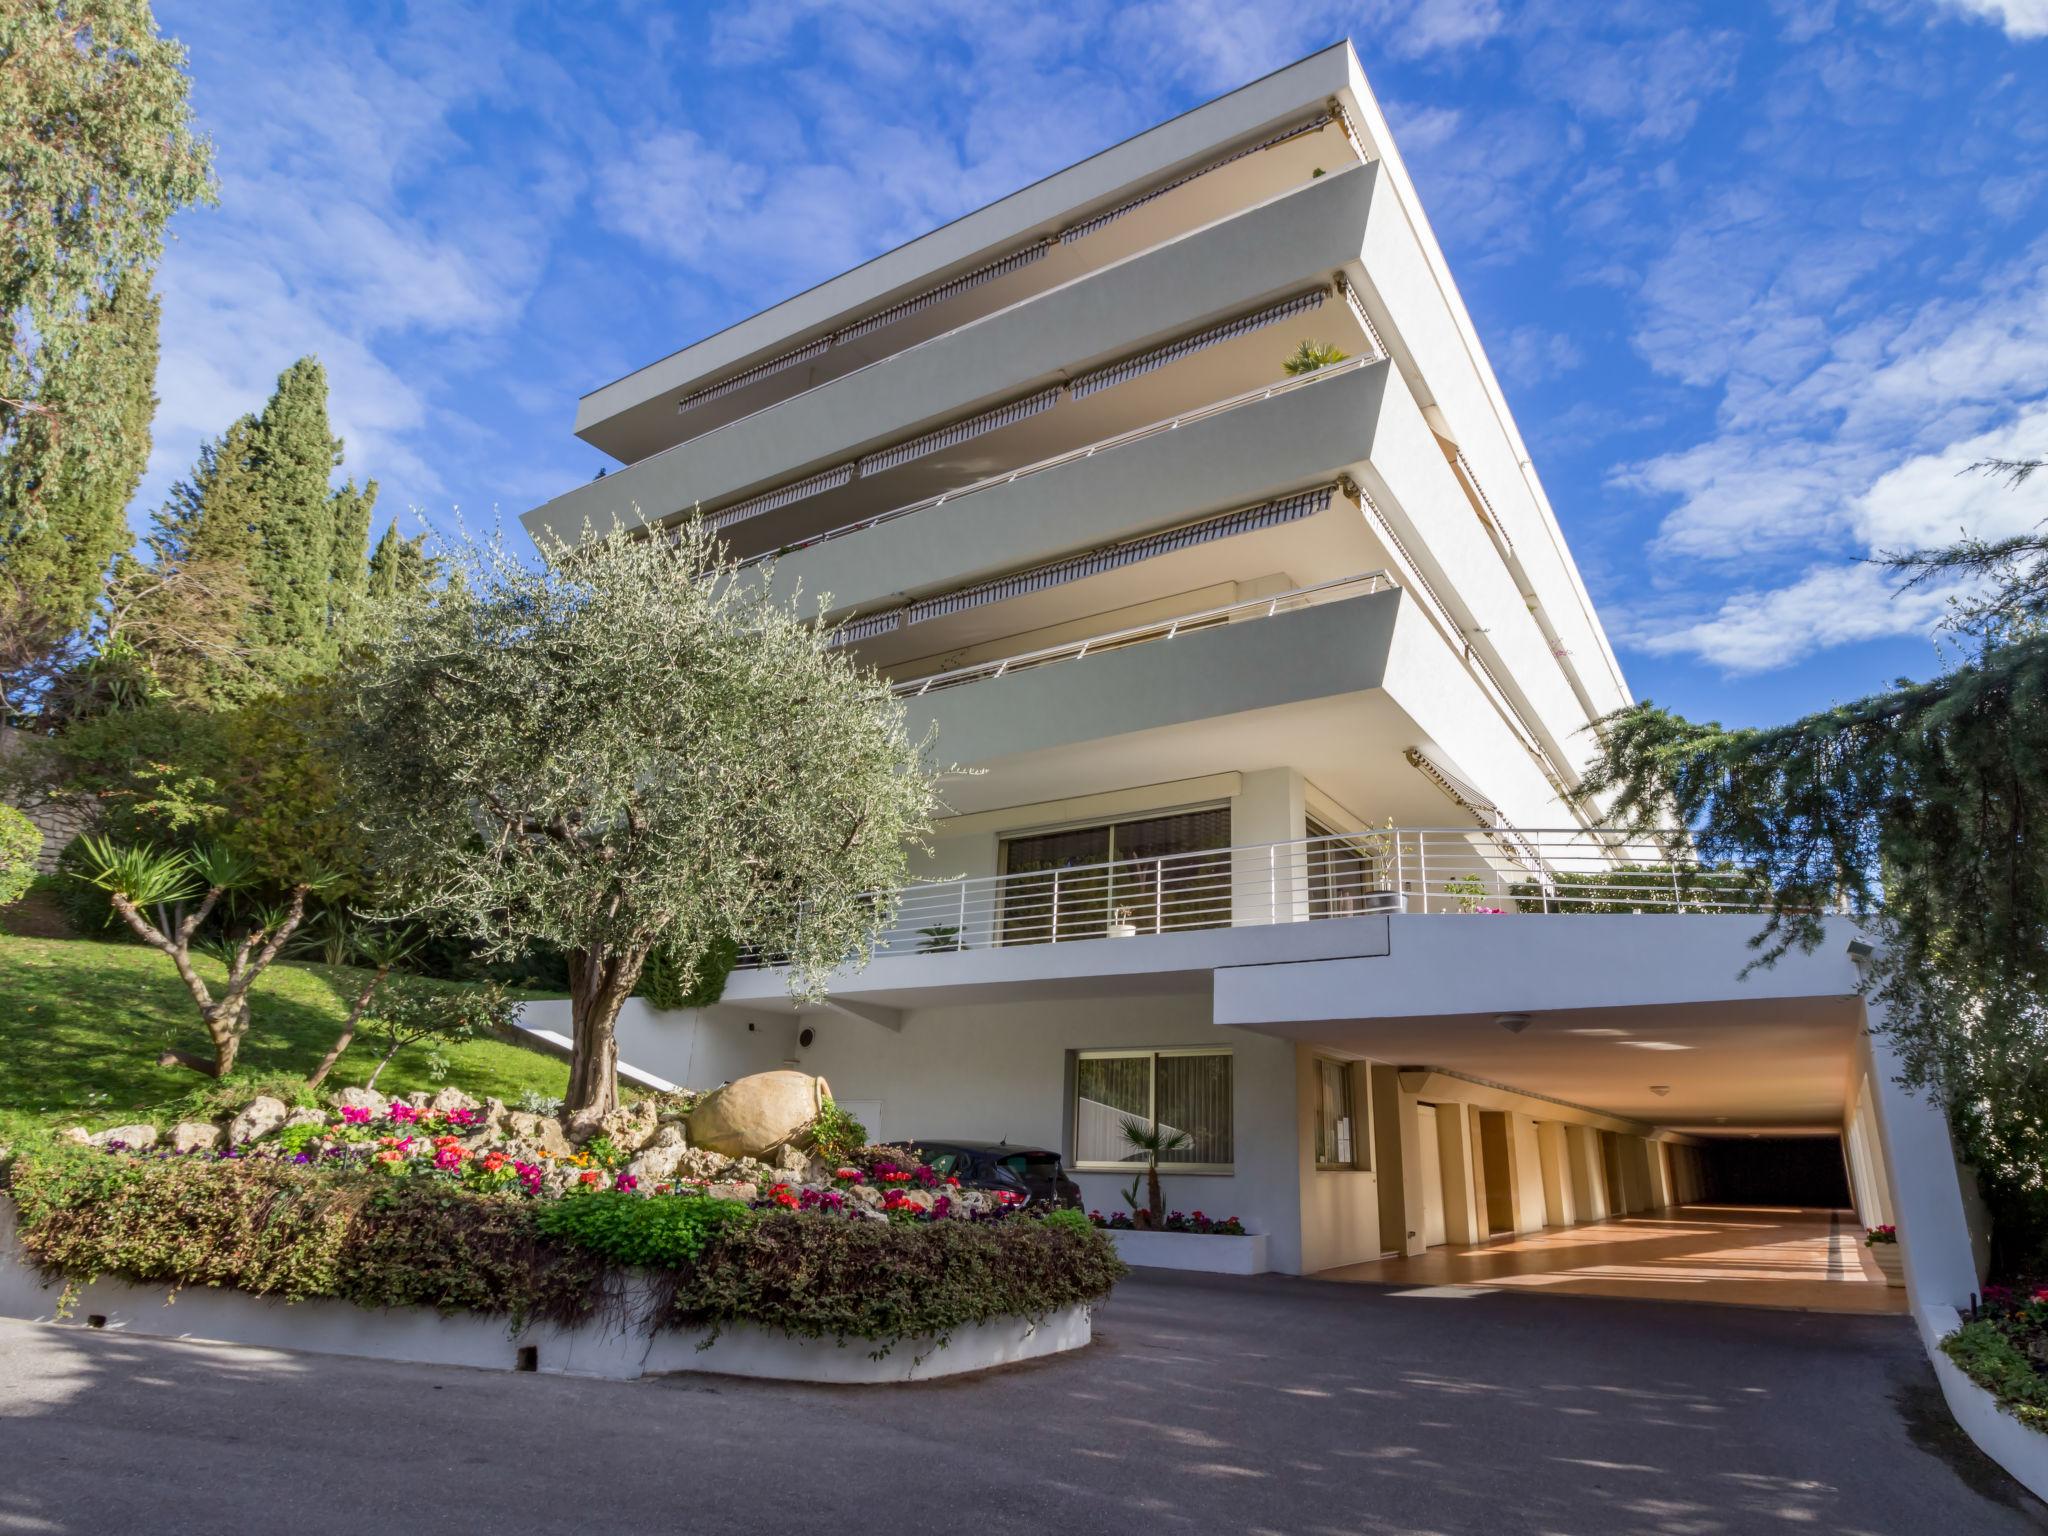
(620,1349)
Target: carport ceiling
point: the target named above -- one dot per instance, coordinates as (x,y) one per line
(1728,1067)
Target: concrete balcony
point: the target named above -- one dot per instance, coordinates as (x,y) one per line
(1260,257)
(1285,437)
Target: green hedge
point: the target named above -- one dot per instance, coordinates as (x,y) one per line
(826,1277)
(275,1229)
(1998,1365)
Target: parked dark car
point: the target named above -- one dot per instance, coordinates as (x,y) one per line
(996,1165)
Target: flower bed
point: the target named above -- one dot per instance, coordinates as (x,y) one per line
(2004,1349)
(1173,1221)
(459,1210)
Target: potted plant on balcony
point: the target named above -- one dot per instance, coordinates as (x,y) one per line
(940,938)
(1120,924)
(1883,1243)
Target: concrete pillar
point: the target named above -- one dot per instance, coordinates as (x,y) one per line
(1397,1153)
(1589,1182)
(1525,1158)
(1559,1208)
(1482,1228)
(1941,1260)
(1464,1201)
(1268,885)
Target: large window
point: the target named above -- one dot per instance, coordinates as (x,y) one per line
(1342,877)
(1149,876)
(1338,1142)
(1179,1090)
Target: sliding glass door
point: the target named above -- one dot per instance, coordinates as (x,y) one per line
(1145,876)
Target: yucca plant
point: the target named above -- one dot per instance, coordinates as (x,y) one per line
(1155,1141)
(139,879)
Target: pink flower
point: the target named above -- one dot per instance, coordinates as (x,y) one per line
(351,1115)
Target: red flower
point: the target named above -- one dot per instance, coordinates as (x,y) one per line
(591,1177)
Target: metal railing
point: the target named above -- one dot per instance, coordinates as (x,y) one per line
(1071,456)
(1159,629)
(1435,871)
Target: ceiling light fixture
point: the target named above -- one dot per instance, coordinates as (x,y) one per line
(1513,1023)
(1660,1089)
(1654,1045)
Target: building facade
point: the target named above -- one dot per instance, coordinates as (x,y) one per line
(1177,498)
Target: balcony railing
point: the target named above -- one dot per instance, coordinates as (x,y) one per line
(1438,871)
(1160,629)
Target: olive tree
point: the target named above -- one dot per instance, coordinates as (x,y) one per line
(625,748)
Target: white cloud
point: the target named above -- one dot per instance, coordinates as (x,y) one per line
(2019,18)
(1828,605)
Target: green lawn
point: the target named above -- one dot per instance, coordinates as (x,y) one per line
(81,1025)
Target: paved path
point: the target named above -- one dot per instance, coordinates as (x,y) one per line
(1254,1407)
(1744,1255)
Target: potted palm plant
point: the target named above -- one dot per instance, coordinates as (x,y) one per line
(1120,924)
(1155,1141)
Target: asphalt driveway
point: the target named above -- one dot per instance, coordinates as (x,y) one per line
(1250,1406)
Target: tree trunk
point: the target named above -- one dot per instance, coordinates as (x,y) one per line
(600,981)
(383,1062)
(348,1028)
(1154,1199)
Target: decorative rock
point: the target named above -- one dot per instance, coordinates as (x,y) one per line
(451,1098)
(76,1133)
(544,1132)
(656,1165)
(136,1138)
(260,1117)
(752,1116)
(362,1098)
(921,1198)
(734,1190)
(305,1117)
(631,1127)
(866,1195)
(669,1136)
(194,1136)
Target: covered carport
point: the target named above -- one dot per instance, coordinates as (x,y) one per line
(1602,1138)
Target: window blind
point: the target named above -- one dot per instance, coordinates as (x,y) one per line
(1003,267)
(1111,215)
(1173,351)
(1129,552)
(960,431)
(782,496)
(725,387)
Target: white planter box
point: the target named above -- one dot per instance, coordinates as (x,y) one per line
(2021,1450)
(1193,1250)
(619,1349)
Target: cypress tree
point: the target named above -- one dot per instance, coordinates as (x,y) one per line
(292,554)
(399,566)
(64,497)
(349,515)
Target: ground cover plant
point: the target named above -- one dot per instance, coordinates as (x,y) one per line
(2004,1349)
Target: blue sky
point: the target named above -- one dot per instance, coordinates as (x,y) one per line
(1759,278)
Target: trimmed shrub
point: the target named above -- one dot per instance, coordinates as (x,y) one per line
(279,1229)
(650,1232)
(821,1277)
(20,843)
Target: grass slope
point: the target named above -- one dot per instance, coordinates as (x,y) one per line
(81,1025)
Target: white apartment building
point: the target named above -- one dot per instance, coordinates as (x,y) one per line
(1263,694)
